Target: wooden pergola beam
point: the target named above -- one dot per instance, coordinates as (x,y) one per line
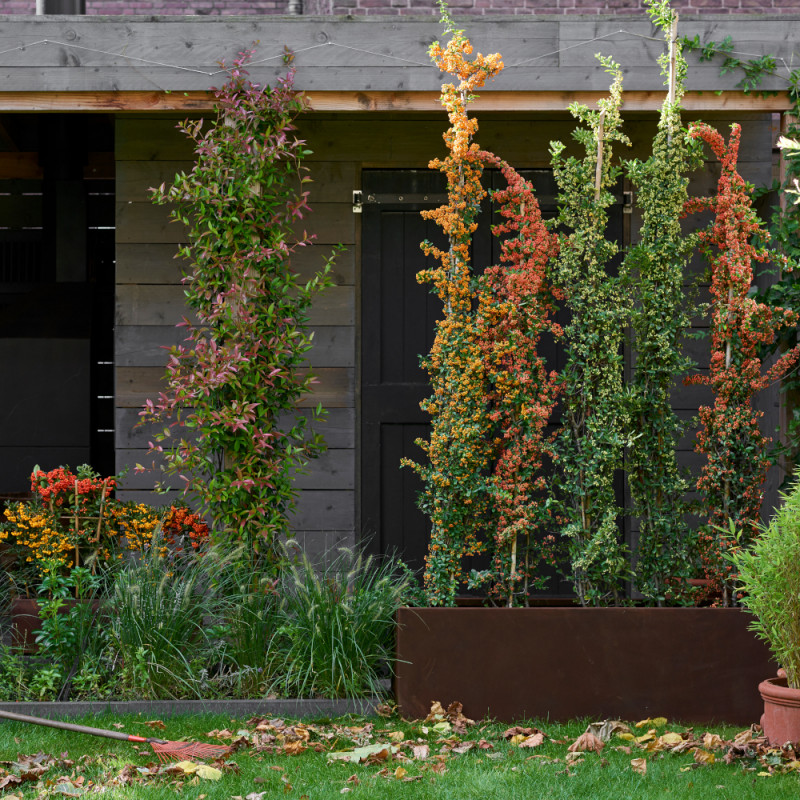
(374,101)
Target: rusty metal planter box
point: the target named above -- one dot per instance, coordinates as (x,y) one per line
(690,664)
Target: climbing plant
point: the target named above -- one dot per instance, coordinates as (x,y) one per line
(590,445)
(783,223)
(514,310)
(653,273)
(243,366)
(731,440)
(491,394)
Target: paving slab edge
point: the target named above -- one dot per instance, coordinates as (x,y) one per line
(296,709)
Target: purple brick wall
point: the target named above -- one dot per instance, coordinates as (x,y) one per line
(410,7)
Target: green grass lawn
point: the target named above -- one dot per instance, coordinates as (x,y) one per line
(290,761)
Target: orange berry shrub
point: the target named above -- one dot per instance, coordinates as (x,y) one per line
(732,478)
(491,395)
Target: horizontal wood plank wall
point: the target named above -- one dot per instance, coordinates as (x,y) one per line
(149,296)
(150,302)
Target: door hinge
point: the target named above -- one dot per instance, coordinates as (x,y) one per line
(627,202)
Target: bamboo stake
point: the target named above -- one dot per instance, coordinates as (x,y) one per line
(673,41)
(598,175)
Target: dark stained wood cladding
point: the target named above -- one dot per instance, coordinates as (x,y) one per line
(150,150)
(94,54)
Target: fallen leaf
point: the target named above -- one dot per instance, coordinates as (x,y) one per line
(156,724)
(420,750)
(362,754)
(670,738)
(711,741)
(586,741)
(397,736)
(639,765)
(606,729)
(118,725)
(385,710)
(704,756)
(400,773)
(437,712)
(659,722)
(294,748)
(442,727)
(574,758)
(510,733)
(353,779)
(255,796)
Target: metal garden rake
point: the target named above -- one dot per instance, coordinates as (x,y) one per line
(165,750)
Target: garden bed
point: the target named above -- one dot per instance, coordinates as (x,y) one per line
(695,664)
(300,709)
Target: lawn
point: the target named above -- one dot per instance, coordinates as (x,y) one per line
(438,758)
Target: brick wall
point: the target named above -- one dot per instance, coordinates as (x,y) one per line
(411,7)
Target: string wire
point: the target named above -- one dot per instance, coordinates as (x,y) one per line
(281,55)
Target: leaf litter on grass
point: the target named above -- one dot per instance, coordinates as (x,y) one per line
(425,747)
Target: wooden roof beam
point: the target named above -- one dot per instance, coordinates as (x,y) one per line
(371,101)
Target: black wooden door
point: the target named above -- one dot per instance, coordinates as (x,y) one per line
(397,326)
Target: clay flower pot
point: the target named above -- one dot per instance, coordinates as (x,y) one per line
(781,720)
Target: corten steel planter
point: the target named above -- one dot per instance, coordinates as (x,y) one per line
(690,664)
(781,720)
(25,621)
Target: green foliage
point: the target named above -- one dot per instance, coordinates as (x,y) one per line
(336,626)
(72,634)
(769,577)
(589,447)
(244,367)
(653,275)
(157,625)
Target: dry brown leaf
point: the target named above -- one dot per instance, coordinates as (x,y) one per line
(607,728)
(156,724)
(420,751)
(711,741)
(670,739)
(439,768)
(400,773)
(294,748)
(586,741)
(533,741)
(574,758)
(704,756)
(510,733)
(639,765)
(397,736)
(437,712)
(385,710)
(744,738)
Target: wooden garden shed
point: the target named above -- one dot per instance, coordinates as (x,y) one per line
(90,291)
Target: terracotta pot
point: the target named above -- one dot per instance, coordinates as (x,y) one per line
(781,720)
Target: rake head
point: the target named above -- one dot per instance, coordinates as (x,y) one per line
(181,751)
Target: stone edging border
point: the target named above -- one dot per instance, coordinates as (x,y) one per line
(295,709)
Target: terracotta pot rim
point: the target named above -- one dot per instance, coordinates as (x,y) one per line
(776,691)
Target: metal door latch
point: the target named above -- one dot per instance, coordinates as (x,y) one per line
(357,201)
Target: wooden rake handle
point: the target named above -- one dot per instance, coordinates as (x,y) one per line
(71,726)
